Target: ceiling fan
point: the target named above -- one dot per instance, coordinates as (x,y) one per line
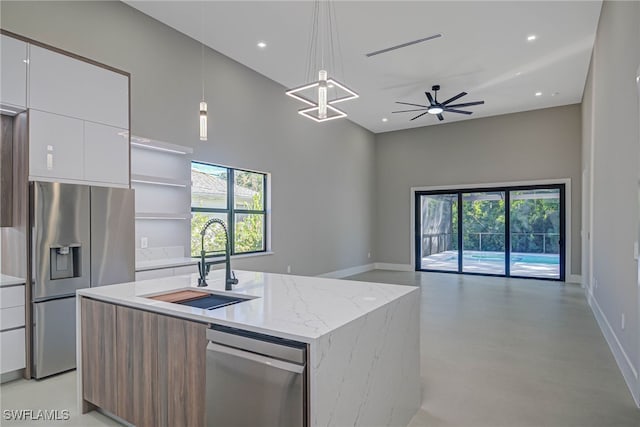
(437,108)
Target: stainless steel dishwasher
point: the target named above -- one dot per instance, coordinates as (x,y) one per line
(255,380)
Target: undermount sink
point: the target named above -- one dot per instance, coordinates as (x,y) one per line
(213,301)
(199,299)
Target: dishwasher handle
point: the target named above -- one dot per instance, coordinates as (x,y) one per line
(258,358)
(258,343)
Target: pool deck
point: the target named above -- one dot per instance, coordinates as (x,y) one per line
(494,263)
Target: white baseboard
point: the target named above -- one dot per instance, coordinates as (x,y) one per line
(339,274)
(574,278)
(629,372)
(391,266)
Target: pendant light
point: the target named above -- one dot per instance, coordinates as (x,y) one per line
(203,103)
(321,95)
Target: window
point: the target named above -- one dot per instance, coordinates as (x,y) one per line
(235,196)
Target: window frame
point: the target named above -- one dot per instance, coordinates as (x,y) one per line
(231,210)
(507,188)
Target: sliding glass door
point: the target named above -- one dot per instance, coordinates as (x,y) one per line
(438,232)
(508,231)
(535,233)
(483,224)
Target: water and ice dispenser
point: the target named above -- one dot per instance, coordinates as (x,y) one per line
(65,262)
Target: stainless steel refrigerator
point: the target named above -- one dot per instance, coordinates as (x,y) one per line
(82,236)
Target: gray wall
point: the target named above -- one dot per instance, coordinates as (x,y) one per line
(612,121)
(322,187)
(534,145)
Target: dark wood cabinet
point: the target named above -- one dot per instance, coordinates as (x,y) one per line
(146,368)
(99,354)
(6,171)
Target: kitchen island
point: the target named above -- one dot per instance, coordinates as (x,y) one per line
(143,360)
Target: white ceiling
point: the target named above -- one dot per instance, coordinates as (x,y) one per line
(483,50)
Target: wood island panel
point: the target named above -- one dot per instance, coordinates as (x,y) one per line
(99,354)
(182,365)
(137,367)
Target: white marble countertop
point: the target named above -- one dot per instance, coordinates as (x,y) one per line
(295,307)
(10,280)
(164,263)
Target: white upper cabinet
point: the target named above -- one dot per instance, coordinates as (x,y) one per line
(13,72)
(78,119)
(67,86)
(56,146)
(106,154)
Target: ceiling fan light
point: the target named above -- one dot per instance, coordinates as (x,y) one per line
(435,110)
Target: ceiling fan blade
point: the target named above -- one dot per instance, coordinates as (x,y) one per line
(451,110)
(407,111)
(430,98)
(440,117)
(466,104)
(460,95)
(420,115)
(415,105)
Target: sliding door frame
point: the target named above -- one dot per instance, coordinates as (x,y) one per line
(564,193)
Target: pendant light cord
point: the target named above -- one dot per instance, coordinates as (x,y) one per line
(324,46)
(202,46)
(312,49)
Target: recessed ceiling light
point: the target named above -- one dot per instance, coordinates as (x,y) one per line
(384,119)
(531,38)
(262,45)
(518,73)
(538,93)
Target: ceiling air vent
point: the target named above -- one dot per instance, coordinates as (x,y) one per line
(400,46)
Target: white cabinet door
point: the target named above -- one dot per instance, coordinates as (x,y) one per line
(11,296)
(106,154)
(55,146)
(12,317)
(64,85)
(13,72)
(12,350)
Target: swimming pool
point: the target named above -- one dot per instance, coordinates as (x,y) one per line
(522,264)
(515,257)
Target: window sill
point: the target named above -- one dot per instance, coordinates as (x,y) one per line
(254,254)
(220,259)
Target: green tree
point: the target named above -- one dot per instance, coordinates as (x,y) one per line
(213,240)
(250,230)
(249,234)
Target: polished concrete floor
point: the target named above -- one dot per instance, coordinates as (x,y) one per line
(54,393)
(494,352)
(512,352)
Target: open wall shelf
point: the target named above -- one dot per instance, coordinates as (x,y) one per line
(161,176)
(158,180)
(150,144)
(158,215)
